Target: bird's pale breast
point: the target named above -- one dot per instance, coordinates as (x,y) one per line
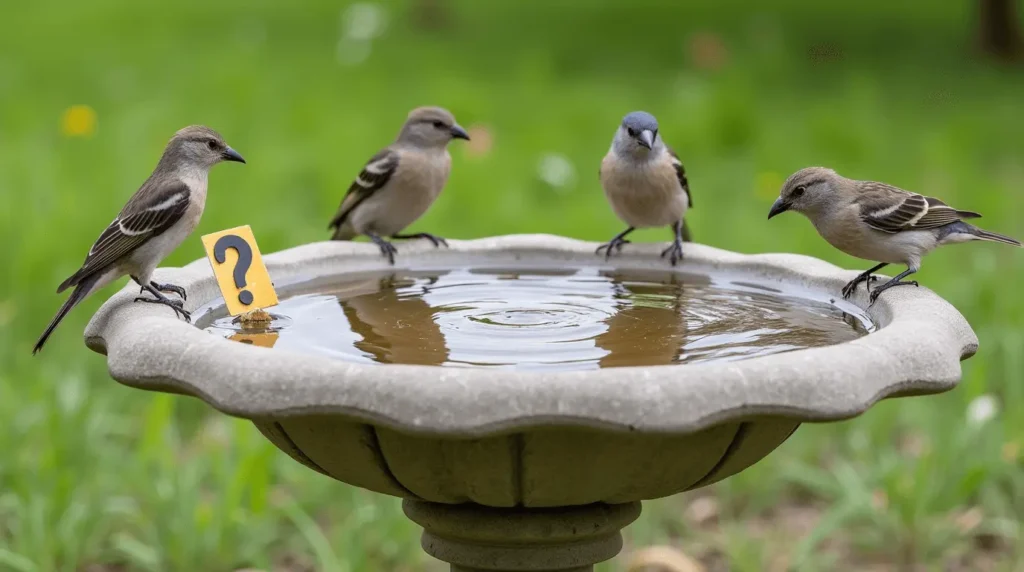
(643,195)
(148,256)
(845,231)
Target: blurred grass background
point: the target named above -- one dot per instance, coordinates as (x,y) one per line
(97,477)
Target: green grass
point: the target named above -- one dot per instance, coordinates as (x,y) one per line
(93,473)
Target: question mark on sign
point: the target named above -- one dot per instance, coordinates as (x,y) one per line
(244,251)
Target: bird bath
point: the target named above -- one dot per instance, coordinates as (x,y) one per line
(513,457)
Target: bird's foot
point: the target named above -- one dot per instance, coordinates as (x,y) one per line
(674,252)
(867,276)
(851,286)
(176,305)
(436,240)
(169,288)
(614,244)
(877,291)
(386,248)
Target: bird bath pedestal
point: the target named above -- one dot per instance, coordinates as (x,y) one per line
(514,470)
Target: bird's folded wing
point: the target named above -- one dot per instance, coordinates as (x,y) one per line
(156,212)
(375,174)
(891,209)
(681,175)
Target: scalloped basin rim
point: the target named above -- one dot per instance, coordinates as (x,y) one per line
(917,350)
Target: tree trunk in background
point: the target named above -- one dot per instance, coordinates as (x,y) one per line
(1000,29)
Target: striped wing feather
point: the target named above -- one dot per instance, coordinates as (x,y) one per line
(681,175)
(891,209)
(149,214)
(373,177)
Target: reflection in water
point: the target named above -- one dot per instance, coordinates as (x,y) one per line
(647,326)
(262,339)
(396,327)
(549,319)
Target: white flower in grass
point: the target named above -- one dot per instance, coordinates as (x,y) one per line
(361,23)
(364,21)
(982,410)
(557,170)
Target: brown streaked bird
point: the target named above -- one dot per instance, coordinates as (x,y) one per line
(646,184)
(156,219)
(400,182)
(877,222)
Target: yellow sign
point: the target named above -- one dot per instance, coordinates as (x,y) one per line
(242,277)
(264,339)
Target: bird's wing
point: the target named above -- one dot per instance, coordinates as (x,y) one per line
(146,216)
(891,209)
(681,175)
(375,174)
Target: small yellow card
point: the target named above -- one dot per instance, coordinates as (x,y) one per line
(239,268)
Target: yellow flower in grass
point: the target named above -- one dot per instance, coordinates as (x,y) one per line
(78,121)
(1011,452)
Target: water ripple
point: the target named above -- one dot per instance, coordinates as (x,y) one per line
(549,320)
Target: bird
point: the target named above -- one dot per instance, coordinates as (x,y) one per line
(155,220)
(877,222)
(399,183)
(646,184)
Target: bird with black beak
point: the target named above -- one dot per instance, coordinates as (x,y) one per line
(877,222)
(157,218)
(399,183)
(645,183)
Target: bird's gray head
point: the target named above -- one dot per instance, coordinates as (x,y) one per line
(808,191)
(637,136)
(198,147)
(430,127)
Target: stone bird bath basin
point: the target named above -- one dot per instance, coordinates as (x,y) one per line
(524,470)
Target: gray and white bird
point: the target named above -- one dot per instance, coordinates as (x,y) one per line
(877,222)
(645,183)
(400,182)
(156,219)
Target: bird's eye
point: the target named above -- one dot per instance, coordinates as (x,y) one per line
(799,190)
(631,132)
(439,124)
(212,144)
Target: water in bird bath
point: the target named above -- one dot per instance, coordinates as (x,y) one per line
(544,319)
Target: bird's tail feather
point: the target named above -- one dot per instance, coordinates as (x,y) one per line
(71,281)
(994,237)
(687,235)
(81,290)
